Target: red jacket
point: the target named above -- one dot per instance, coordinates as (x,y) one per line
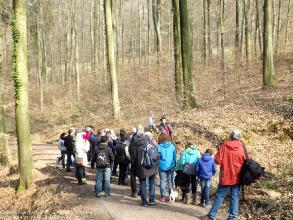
(230,157)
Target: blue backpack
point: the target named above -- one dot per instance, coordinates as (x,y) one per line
(150,156)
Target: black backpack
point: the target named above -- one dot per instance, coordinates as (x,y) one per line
(102,159)
(150,156)
(120,153)
(250,170)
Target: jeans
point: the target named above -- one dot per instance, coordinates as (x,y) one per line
(133,180)
(106,172)
(152,188)
(222,192)
(79,173)
(122,172)
(193,182)
(205,191)
(169,175)
(68,162)
(62,158)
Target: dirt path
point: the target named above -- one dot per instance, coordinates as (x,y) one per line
(119,205)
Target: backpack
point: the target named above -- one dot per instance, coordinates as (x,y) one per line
(120,153)
(250,170)
(150,156)
(102,159)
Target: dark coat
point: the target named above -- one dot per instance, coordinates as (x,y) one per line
(69,143)
(137,144)
(110,155)
(121,154)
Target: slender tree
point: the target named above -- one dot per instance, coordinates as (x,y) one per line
(278,25)
(176,42)
(268,58)
(204,33)
(189,99)
(157,23)
(111,60)
(5,157)
(247,30)
(237,28)
(223,63)
(287,24)
(40,55)
(20,76)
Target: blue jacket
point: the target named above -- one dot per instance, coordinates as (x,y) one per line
(167,152)
(206,167)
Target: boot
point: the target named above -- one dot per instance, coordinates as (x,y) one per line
(194,199)
(187,198)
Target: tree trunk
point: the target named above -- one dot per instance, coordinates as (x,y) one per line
(222,11)
(189,99)
(111,60)
(149,33)
(278,25)
(20,76)
(40,56)
(75,48)
(209,26)
(157,23)
(205,36)
(268,60)
(258,24)
(247,30)
(237,28)
(176,42)
(140,24)
(287,24)
(5,157)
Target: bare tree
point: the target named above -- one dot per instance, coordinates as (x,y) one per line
(111,60)
(268,57)
(20,76)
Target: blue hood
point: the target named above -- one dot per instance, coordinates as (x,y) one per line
(206,157)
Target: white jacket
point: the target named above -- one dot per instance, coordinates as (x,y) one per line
(82,147)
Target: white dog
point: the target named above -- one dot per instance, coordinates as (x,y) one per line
(173,195)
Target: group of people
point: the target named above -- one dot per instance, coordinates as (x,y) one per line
(141,155)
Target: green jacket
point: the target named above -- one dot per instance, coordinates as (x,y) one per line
(190,155)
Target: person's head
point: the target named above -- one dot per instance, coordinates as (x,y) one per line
(104,139)
(122,132)
(100,131)
(189,144)
(134,130)
(209,151)
(108,133)
(235,135)
(163,120)
(88,129)
(70,131)
(164,138)
(140,130)
(62,136)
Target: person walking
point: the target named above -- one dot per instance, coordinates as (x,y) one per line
(82,147)
(189,158)
(230,157)
(206,168)
(121,157)
(167,151)
(138,151)
(69,143)
(103,156)
(62,149)
(137,142)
